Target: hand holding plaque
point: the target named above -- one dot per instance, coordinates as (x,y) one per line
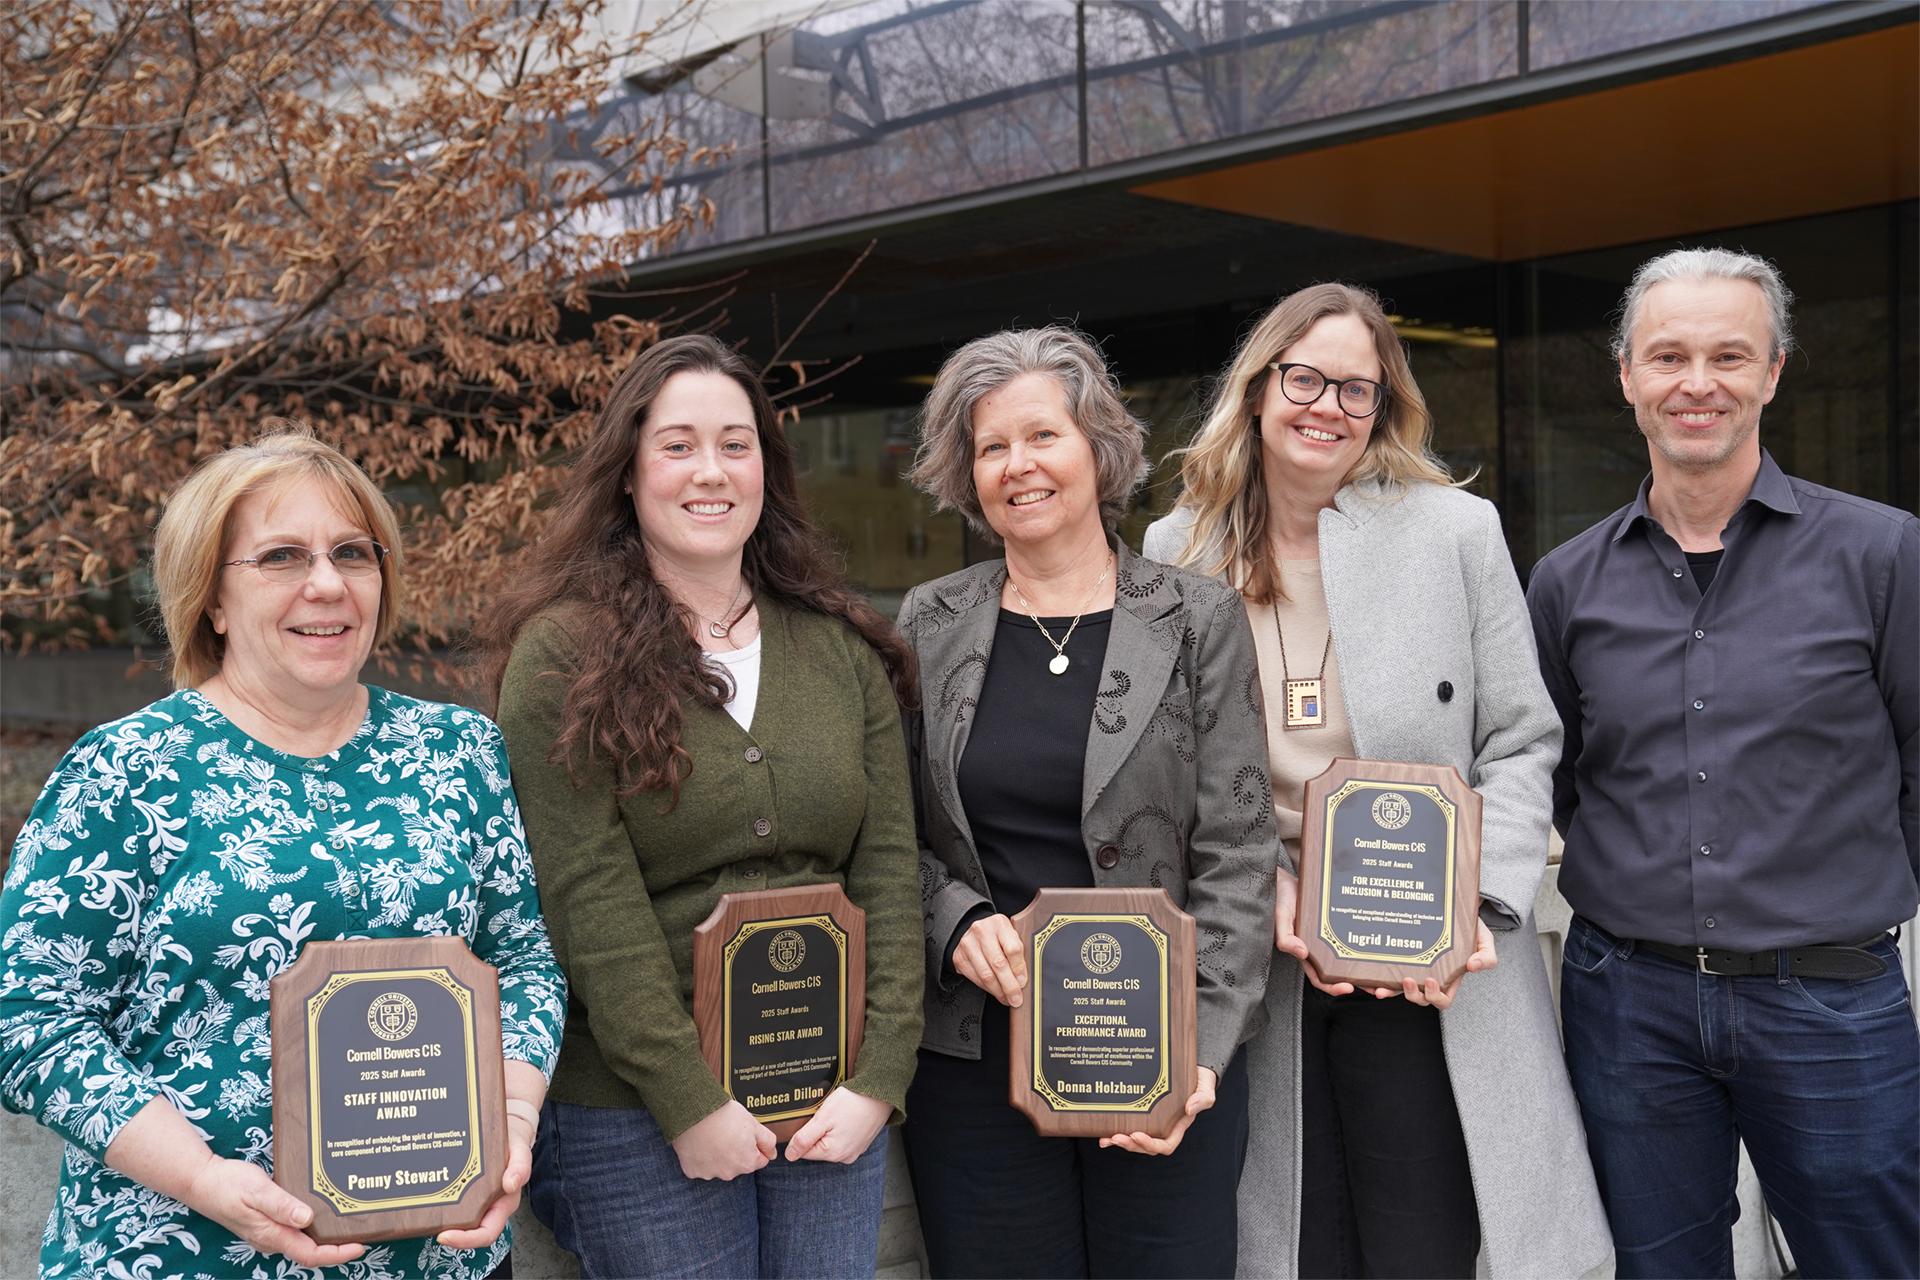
(1108,1042)
(780,998)
(389,1089)
(1389,873)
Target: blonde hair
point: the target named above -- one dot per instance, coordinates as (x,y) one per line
(944,467)
(1222,473)
(191,542)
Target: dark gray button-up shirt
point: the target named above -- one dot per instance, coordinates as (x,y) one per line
(1740,763)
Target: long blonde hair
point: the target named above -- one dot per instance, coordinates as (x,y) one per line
(1222,477)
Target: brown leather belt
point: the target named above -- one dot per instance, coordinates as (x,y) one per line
(1848,963)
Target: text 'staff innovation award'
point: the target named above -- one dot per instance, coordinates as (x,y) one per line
(780,998)
(1106,1042)
(388,1086)
(1390,872)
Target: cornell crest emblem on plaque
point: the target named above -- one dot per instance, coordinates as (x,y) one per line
(786,951)
(392,1016)
(1392,811)
(1100,953)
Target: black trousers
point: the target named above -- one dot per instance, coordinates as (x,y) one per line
(1385,1189)
(998,1200)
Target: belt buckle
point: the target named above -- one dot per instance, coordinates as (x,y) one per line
(1700,958)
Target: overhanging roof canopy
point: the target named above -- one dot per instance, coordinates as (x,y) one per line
(1813,130)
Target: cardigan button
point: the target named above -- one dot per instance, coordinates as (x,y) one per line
(1108,857)
(753,755)
(762,827)
(751,873)
(1445,691)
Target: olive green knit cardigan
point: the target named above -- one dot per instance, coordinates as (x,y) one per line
(624,879)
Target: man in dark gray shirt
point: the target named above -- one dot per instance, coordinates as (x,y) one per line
(1736,657)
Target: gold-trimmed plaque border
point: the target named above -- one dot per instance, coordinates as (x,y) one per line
(1146,1101)
(344,1202)
(746,931)
(1452,814)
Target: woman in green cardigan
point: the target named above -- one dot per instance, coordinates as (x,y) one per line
(695,704)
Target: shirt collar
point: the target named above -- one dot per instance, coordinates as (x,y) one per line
(1771,488)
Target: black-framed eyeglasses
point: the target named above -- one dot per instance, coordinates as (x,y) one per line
(1304,384)
(354,559)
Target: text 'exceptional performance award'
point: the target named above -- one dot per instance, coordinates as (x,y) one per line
(1105,1042)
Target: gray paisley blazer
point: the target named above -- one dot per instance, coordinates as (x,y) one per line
(1176,793)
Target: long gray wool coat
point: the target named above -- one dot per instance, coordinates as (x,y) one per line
(1175,794)
(1420,589)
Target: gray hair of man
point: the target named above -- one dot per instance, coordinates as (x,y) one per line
(1699,266)
(944,466)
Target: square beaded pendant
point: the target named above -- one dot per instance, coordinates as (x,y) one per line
(1306,707)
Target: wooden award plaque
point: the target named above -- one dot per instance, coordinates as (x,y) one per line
(389,1090)
(1389,872)
(780,998)
(1105,1041)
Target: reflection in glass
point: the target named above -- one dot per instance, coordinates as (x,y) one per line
(927,104)
(731,179)
(1563,31)
(1175,75)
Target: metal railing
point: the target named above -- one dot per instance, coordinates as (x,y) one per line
(891,104)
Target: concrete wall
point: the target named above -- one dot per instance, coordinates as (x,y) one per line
(92,686)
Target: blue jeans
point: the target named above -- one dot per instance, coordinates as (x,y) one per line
(608,1185)
(1820,1078)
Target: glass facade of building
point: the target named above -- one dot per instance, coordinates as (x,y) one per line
(891,104)
(1515,363)
(1008,121)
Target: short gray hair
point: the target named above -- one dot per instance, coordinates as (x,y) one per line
(944,467)
(1699,266)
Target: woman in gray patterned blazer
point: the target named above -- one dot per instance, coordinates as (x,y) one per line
(1090,718)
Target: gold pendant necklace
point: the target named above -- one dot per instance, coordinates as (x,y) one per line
(1306,700)
(1059,663)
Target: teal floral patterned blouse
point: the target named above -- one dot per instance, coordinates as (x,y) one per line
(171,868)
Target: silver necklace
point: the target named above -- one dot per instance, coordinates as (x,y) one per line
(1059,663)
(715,629)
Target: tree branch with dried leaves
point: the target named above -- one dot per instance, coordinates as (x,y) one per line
(377,218)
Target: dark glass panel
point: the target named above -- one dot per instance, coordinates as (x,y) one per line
(853,468)
(1573,443)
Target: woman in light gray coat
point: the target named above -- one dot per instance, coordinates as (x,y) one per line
(1393,1132)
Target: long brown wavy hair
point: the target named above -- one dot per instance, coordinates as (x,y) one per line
(638,664)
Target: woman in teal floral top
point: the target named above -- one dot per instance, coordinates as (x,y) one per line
(183,855)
